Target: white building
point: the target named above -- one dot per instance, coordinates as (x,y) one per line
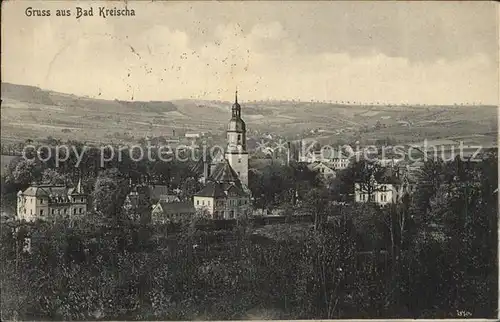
(336,158)
(49,202)
(388,186)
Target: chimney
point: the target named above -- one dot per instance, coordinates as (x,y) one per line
(206,171)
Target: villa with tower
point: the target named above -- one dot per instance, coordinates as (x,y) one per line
(225,194)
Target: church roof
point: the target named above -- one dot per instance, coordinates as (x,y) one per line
(223,172)
(198,166)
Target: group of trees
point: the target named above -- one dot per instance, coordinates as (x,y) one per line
(275,184)
(90,271)
(444,233)
(434,254)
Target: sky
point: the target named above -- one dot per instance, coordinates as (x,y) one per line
(387,52)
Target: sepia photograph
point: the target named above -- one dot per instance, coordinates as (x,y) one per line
(249,160)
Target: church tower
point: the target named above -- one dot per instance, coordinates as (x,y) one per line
(236,151)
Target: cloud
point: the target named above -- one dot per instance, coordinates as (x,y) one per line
(168,52)
(273,30)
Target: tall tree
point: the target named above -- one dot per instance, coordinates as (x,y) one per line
(109,194)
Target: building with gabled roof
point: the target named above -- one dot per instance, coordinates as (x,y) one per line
(386,186)
(164,212)
(226,194)
(50,201)
(325,169)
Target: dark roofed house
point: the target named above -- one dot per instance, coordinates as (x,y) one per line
(161,192)
(212,189)
(164,212)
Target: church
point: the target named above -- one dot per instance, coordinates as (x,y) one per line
(225,194)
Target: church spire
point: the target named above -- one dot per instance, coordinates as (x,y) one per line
(236,109)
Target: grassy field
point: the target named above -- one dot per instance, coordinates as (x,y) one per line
(29,112)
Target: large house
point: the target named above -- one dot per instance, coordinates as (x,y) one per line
(325,169)
(384,187)
(226,194)
(165,211)
(50,202)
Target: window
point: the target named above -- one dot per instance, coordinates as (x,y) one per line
(41,201)
(81,210)
(203,202)
(239,160)
(209,202)
(239,138)
(53,211)
(41,212)
(231,214)
(74,211)
(197,202)
(81,199)
(65,211)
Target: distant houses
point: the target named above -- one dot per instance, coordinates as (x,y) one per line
(334,159)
